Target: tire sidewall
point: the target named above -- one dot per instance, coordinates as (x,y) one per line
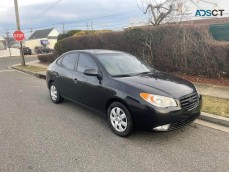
(129,128)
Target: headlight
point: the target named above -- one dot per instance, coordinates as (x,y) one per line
(159,101)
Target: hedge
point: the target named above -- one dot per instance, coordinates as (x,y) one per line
(46,58)
(171,48)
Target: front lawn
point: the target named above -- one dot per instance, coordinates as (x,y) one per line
(216,106)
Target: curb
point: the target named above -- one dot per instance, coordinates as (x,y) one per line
(38,75)
(214,119)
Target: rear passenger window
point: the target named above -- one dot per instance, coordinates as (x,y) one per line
(69,61)
(86,62)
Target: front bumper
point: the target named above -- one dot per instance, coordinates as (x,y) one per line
(147,118)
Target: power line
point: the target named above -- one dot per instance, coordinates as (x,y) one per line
(116,16)
(91,19)
(95,18)
(78,21)
(42,13)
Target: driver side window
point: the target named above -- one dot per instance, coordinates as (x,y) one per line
(86,62)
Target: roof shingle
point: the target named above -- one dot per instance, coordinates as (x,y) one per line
(40,34)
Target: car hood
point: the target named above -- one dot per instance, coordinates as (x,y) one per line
(160,83)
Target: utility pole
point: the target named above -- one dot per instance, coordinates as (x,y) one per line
(31,31)
(87,25)
(18,28)
(8,41)
(63,28)
(91,26)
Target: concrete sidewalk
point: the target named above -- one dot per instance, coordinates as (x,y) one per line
(204,89)
(213,90)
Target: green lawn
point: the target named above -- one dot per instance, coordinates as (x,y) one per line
(216,106)
(31,68)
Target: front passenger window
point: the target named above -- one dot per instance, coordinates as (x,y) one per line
(86,62)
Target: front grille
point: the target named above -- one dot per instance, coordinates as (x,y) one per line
(183,122)
(190,101)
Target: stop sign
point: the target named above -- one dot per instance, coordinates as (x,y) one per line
(19,35)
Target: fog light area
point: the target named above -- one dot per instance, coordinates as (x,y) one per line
(162,128)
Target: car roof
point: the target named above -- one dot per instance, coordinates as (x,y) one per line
(98,51)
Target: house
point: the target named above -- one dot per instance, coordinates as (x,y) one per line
(5,51)
(188,9)
(46,37)
(2,43)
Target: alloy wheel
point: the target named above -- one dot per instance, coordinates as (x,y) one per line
(118,119)
(53,92)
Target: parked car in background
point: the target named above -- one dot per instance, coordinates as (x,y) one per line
(129,92)
(26,51)
(42,50)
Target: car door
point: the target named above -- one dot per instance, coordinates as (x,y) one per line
(88,89)
(65,73)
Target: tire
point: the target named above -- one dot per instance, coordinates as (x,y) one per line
(54,93)
(120,119)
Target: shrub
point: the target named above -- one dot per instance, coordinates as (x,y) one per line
(46,58)
(62,36)
(171,48)
(68,34)
(73,32)
(91,32)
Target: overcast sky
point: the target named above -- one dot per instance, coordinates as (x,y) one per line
(73,13)
(76,14)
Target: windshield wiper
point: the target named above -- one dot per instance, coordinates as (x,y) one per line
(122,75)
(149,72)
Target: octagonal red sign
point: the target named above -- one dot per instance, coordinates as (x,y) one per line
(18,35)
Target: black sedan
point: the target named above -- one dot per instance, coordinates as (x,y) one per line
(130,93)
(26,51)
(42,50)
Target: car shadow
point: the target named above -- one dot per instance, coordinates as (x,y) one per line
(91,114)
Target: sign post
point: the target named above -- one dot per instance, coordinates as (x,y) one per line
(18,35)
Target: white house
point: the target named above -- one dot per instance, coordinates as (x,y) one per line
(47,37)
(186,9)
(2,43)
(5,51)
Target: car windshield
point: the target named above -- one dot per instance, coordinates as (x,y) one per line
(121,64)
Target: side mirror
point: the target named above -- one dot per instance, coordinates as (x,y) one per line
(92,72)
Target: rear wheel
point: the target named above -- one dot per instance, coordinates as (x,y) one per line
(120,119)
(54,93)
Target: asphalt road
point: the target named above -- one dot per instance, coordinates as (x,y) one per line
(37,135)
(6,62)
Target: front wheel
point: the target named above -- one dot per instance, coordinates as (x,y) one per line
(54,93)
(120,119)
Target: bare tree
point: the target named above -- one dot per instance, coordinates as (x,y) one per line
(164,10)
(9,42)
